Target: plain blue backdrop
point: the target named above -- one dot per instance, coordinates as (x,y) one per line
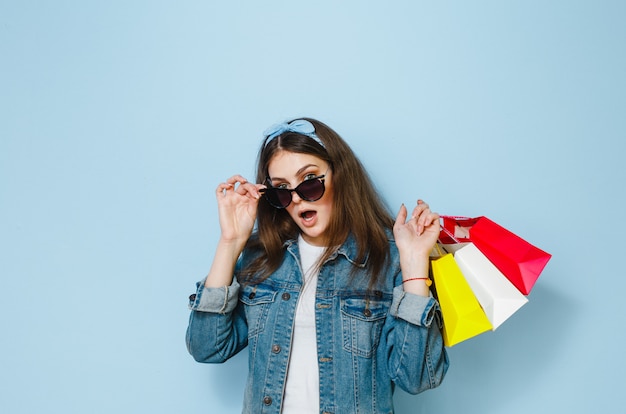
(118,119)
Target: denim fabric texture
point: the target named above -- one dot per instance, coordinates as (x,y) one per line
(368,341)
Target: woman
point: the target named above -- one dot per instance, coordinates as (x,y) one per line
(330,294)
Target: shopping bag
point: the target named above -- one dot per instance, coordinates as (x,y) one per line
(520,261)
(463,317)
(498,297)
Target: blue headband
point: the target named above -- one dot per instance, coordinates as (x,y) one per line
(299,126)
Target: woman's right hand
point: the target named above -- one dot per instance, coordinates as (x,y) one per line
(237,201)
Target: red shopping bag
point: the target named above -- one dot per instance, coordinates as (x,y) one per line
(520,261)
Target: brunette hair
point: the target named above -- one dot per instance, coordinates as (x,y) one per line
(357,207)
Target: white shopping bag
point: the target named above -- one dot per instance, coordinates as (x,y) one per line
(499,298)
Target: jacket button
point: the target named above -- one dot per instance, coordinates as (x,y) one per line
(267,400)
(276,349)
(367,313)
(192,297)
(286,296)
(252,295)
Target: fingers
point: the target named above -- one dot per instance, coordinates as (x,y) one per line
(419,208)
(239,185)
(401,216)
(424,217)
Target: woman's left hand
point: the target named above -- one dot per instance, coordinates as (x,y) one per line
(418,235)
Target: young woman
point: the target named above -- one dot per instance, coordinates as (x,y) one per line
(329,293)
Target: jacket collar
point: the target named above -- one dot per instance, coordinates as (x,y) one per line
(349,249)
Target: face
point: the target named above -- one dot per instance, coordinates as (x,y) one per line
(288,170)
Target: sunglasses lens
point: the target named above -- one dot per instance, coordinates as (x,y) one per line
(311,190)
(278,197)
(284,197)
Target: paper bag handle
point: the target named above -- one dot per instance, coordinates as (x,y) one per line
(439,251)
(449,233)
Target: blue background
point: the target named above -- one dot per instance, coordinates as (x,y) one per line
(118,119)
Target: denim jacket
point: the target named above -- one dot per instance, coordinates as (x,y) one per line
(368,341)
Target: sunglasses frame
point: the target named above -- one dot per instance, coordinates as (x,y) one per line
(319,178)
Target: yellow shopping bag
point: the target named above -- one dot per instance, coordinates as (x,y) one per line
(463,317)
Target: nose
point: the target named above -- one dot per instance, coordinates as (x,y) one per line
(295,197)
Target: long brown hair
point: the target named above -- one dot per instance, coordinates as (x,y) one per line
(357,209)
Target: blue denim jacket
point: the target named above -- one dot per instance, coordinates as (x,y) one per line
(368,341)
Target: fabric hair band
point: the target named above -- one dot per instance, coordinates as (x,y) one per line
(299,126)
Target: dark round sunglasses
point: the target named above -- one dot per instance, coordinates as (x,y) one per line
(308,190)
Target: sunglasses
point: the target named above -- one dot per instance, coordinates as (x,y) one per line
(311,189)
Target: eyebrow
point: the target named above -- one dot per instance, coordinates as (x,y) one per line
(300,171)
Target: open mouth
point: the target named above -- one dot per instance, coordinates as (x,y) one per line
(308,214)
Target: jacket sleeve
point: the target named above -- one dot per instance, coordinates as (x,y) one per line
(217,329)
(417,359)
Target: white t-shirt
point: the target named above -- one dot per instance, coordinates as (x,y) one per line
(302,387)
